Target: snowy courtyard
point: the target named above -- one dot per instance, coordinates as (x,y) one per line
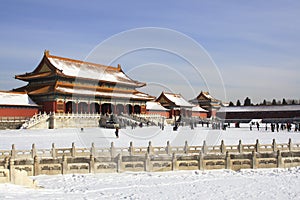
(193,184)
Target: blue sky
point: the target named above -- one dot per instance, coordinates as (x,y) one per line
(254,44)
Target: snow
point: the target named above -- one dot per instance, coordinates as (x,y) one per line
(178,100)
(86,70)
(23,139)
(218,184)
(193,184)
(151,105)
(17,99)
(198,109)
(207,95)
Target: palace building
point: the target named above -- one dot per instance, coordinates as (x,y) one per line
(177,105)
(16,104)
(155,108)
(209,103)
(64,85)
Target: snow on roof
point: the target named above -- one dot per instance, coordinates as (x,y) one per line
(151,105)
(178,100)
(198,109)
(15,99)
(206,94)
(137,95)
(260,108)
(91,71)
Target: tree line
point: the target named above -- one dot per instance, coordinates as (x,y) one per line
(247,102)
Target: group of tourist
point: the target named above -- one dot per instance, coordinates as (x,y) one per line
(277,126)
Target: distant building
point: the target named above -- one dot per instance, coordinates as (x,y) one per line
(197,111)
(176,104)
(16,104)
(275,113)
(209,103)
(64,85)
(154,108)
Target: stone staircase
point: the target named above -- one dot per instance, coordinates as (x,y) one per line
(37,121)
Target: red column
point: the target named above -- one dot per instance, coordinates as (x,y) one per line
(89,107)
(65,107)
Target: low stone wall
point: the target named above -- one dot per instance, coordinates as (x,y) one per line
(74,120)
(16,176)
(62,120)
(99,160)
(11,122)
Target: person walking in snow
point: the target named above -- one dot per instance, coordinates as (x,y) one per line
(117,132)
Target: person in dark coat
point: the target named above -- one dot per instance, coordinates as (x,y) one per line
(117,132)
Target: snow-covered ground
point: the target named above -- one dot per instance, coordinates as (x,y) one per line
(218,184)
(23,139)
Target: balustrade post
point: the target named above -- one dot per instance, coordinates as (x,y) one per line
(254,160)
(279,159)
(274,145)
(36,167)
(204,148)
(147,163)
(186,147)
(150,148)
(257,146)
(92,164)
(131,149)
(13,151)
(222,147)
(93,150)
(168,148)
(53,151)
(200,161)
(12,170)
(119,163)
(227,161)
(64,164)
(112,150)
(174,162)
(240,146)
(73,150)
(290,145)
(6,164)
(33,151)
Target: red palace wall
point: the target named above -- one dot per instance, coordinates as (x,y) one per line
(48,106)
(201,115)
(17,111)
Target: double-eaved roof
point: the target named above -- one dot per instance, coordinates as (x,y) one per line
(70,68)
(15,99)
(102,81)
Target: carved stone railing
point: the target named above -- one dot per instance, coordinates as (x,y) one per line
(116,159)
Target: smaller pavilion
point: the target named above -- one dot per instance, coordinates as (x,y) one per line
(155,108)
(16,105)
(208,102)
(197,111)
(177,105)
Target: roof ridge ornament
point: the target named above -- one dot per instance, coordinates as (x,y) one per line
(46,52)
(119,68)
